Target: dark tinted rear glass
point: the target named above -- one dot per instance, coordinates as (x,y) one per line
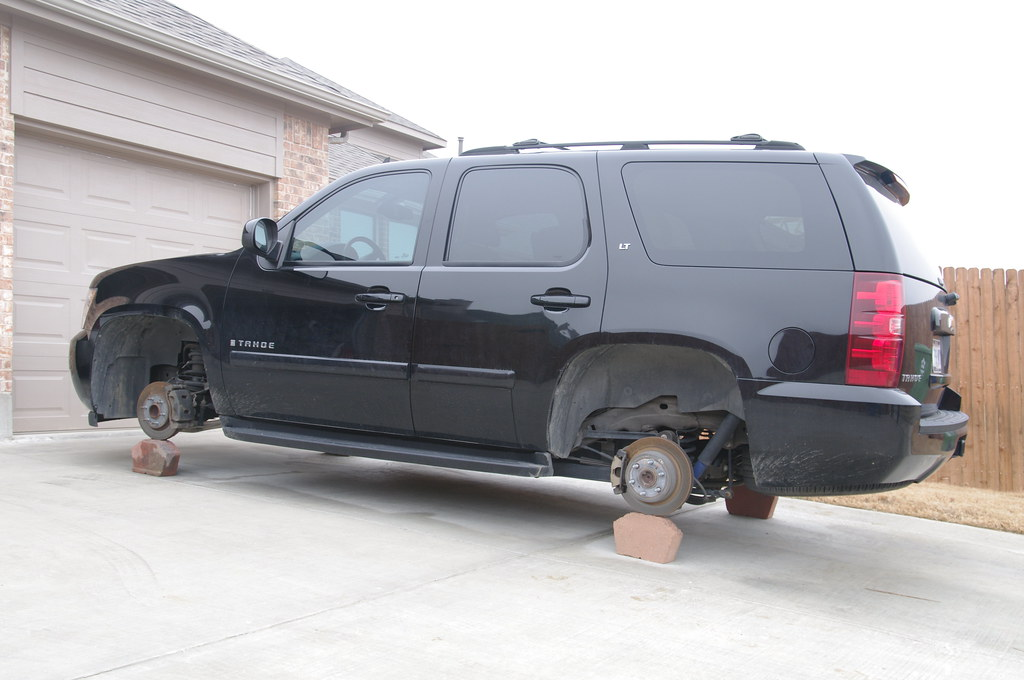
(529,215)
(762,215)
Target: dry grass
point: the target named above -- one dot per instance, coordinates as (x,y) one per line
(999,510)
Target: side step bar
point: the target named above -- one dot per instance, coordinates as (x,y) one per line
(450,455)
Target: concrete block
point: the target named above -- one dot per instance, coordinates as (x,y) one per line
(646,537)
(747,503)
(155,457)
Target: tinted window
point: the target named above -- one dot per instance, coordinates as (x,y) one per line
(768,215)
(374,220)
(518,215)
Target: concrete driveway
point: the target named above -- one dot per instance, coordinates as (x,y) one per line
(259,562)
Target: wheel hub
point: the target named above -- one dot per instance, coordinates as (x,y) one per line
(656,475)
(651,475)
(154,410)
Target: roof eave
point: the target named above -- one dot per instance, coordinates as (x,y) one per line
(344,113)
(428,140)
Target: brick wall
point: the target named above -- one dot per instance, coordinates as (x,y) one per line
(6,215)
(305,162)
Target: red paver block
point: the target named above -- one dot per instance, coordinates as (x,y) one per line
(747,503)
(155,457)
(646,537)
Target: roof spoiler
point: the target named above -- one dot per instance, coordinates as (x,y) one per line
(881,179)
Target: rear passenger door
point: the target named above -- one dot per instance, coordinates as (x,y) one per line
(514,285)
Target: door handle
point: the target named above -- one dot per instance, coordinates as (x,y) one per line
(377,301)
(380,298)
(560,302)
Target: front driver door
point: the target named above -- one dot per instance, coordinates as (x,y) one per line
(326,339)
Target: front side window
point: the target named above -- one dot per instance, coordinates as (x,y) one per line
(760,215)
(524,215)
(375,220)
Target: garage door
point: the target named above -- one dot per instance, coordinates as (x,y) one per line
(78,212)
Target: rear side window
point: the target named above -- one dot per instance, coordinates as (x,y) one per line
(525,215)
(759,215)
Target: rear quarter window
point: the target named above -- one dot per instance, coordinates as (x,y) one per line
(757,215)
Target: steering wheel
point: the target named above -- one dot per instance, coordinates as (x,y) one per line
(375,251)
(316,246)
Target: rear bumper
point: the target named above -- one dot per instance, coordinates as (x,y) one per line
(809,438)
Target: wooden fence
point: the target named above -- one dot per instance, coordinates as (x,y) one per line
(988,353)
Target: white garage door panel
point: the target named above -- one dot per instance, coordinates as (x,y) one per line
(171,198)
(78,213)
(221,207)
(140,200)
(101,250)
(44,319)
(44,316)
(42,247)
(45,171)
(44,395)
(160,250)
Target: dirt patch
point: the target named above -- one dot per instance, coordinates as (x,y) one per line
(999,510)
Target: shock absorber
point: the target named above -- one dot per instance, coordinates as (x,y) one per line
(192,373)
(722,435)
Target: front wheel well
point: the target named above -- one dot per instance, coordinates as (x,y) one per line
(131,351)
(631,376)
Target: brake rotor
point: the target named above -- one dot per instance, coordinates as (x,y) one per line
(154,411)
(656,476)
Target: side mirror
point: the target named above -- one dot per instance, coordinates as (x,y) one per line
(259,237)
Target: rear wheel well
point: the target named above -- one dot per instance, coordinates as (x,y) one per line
(132,351)
(632,377)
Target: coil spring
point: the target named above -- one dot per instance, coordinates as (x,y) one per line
(688,440)
(193,369)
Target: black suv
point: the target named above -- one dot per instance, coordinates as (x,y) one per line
(677,318)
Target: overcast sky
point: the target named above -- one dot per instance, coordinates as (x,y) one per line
(932,90)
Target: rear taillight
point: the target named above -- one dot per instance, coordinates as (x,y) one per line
(875,351)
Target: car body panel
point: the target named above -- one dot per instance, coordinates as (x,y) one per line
(486,357)
(499,365)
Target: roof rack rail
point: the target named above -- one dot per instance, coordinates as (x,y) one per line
(753,139)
